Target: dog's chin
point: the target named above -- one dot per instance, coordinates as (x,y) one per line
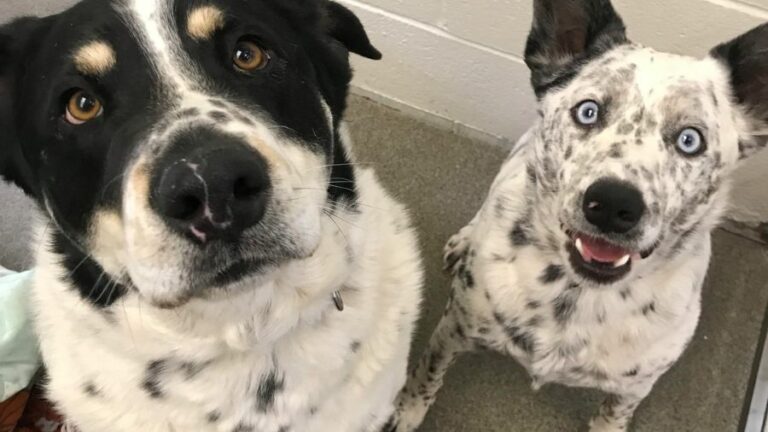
(231,280)
(601,261)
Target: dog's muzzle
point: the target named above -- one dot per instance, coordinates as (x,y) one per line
(613,210)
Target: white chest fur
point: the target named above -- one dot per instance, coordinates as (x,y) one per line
(271,358)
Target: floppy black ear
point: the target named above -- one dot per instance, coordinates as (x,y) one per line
(565,35)
(344,26)
(14,38)
(747,60)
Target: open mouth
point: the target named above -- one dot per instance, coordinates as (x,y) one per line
(600,260)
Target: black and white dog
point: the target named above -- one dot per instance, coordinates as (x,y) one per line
(587,260)
(211,259)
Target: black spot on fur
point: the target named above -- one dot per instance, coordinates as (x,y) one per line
(499,318)
(390,425)
(355,346)
(242,427)
(531,171)
(460,331)
(213,416)
(152,379)
(521,338)
(649,308)
(519,235)
(90,389)
(469,279)
(601,317)
(219,116)
(632,372)
(565,305)
(552,274)
(568,152)
(533,304)
(625,293)
(192,369)
(616,152)
(243,119)
(534,321)
(217,103)
(268,389)
(189,112)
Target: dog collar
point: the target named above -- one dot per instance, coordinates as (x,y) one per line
(338,301)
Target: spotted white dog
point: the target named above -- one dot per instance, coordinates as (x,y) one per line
(210,257)
(587,260)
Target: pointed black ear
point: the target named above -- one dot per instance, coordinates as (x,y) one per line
(565,35)
(747,60)
(14,38)
(344,26)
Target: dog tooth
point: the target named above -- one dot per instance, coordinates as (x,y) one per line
(580,248)
(622,262)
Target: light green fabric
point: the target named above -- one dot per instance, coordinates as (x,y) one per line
(19,356)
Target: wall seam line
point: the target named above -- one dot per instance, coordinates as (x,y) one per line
(434,30)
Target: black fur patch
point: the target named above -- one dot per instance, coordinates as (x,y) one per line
(86,275)
(649,308)
(564,305)
(90,389)
(242,427)
(219,116)
(152,383)
(552,274)
(268,389)
(519,235)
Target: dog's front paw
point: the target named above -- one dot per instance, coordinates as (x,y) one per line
(601,424)
(455,251)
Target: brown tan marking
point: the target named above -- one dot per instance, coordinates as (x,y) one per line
(203,22)
(95,58)
(272,158)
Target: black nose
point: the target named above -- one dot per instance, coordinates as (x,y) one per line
(216,191)
(613,206)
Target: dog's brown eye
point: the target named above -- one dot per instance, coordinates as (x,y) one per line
(249,56)
(82,108)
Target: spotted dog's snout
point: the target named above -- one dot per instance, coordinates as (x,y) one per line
(210,186)
(613,206)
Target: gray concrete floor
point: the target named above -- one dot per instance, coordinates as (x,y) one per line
(443,179)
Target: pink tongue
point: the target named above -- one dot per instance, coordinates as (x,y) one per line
(599,250)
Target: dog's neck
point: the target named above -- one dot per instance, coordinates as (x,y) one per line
(299,293)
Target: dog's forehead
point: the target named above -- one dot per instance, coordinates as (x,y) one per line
(660,79)
(94,32)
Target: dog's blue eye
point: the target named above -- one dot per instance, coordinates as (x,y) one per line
(587,113)
(690,142)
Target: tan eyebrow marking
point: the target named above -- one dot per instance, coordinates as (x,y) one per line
(95,58)
(203,22)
